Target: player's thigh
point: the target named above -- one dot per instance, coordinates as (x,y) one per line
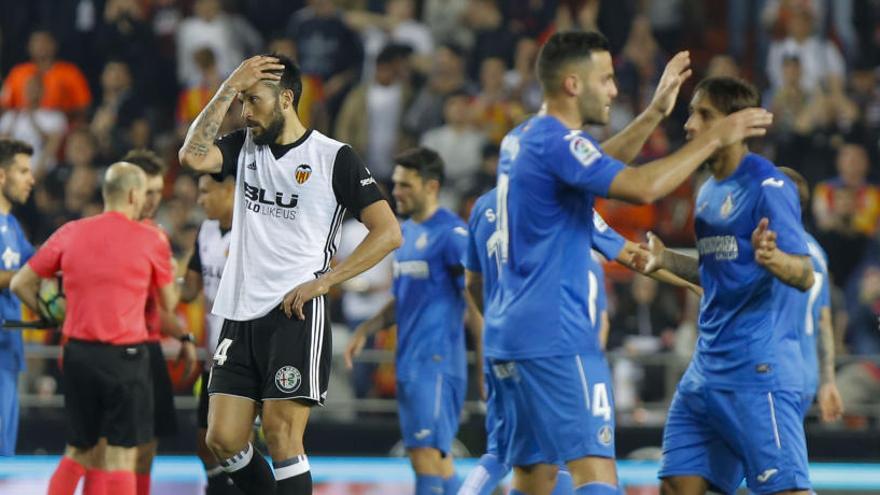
(693,448)
(683,485)
(593,469)
(767,430)
(536,479)
(230,419)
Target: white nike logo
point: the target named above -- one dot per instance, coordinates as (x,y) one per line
(773,182)
(766,475)
(422,434)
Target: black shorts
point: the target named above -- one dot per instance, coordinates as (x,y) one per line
(108,392)
(275,357)
(164,414)
(202,411)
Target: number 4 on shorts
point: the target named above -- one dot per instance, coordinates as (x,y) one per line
(222,349)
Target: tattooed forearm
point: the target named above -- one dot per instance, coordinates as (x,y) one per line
(203,131)
(796,271)
(682,265)
(826,346)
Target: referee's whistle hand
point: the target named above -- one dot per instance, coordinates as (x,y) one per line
(295,300)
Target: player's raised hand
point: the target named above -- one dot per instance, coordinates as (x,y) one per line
(294,300)
(830,403)
(677,71)
(253,70)
(763,242)
(744,124)
(354,347)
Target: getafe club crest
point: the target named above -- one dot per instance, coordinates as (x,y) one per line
(422,241)
(288,379)
(303,172)
(727,206)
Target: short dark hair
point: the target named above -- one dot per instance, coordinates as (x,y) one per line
(425,161)
(147,160)
(800,182)
(729,94)
(564,47)
(291,77)
(11,147)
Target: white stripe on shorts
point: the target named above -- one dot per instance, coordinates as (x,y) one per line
(773,420)
(584,384)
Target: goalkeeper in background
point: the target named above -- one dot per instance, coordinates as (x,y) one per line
(16,182)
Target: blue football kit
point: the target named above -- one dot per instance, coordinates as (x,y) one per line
(429,305)
(737,410)
(813,301)
(15,250)
(550,375)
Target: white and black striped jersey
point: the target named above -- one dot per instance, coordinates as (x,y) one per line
(208,259)
(289,204)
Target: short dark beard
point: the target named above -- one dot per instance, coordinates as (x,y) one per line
(272,131)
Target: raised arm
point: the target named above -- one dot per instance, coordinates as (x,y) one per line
(626,144)
(199,151)
(790,269)
(652,181)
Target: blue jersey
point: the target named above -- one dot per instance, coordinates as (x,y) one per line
(548,177)
(812,302)
(749,322)
(428,292)
(15,250)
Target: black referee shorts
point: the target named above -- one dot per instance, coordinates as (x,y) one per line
(275,357)
(108,392)
(164,414)
(202,411)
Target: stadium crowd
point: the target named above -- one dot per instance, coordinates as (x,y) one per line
(85,81)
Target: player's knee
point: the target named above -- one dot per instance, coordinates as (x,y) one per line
(283,436)
(676,485)
(426,460)
(592,470)
(223,445)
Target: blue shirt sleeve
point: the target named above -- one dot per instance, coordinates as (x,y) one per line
(824,293)
(579,162)
(780,205)
(471,258)
(605,239)
(454,250)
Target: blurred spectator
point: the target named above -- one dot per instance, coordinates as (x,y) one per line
(641,64)
(82,196)
(444,18)
(846,210)
(521,80)
(361,296)
(790,102)
(117,121)
(447,76)
(494,110)
(492,39)
(370,118)
(126,35)
(327,48)
(458,142)
(64,86)
(398,25)
(863,330)
(820,60)
(723,66)
(528,17)
(667,22)
(231,38)
(194,97)
(42,128)
(865,95)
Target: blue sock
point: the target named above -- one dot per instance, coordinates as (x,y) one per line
(451,484)
(483,479)
(597,488)
(429,485)
(564,484)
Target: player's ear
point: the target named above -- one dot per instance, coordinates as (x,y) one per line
(286,99)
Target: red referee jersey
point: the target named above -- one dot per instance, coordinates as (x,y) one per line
(152,312)
(109,264)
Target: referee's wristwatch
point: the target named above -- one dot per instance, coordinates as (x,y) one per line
(187,337)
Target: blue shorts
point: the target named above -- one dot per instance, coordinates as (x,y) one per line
(429,407)
(8,411)
(556,409)
(724,436)
(496,433)
(806,403)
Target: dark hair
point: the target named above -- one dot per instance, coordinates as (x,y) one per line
(11,147)
(729,94)
(147,160)
(291,77)
(564,47)
(392,52)
(801,184)
(425,161)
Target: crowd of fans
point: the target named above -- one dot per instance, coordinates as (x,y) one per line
(84,81)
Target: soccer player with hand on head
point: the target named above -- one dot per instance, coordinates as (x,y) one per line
(293,187)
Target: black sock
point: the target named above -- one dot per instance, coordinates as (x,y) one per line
(219,483)
(293,476)
(250,472)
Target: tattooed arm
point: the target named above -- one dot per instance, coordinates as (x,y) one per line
(790,269)
(199,151)
(656,258)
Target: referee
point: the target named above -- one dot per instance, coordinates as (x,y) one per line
(110,262)
(293,187)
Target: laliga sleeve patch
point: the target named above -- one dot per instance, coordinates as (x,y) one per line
(583,150)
